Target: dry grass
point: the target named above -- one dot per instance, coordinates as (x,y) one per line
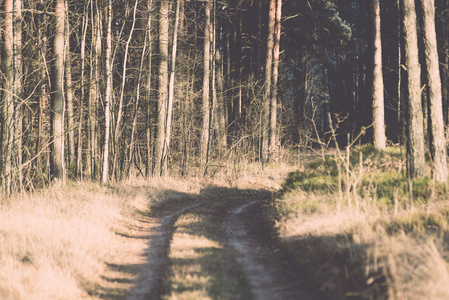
(383,248)
(69,243)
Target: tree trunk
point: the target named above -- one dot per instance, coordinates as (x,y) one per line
(108,95)
(69,93)
(57,98)
(94,87)
(377,88)
(434,90)
(275,75)
(79,158)
(149,129)
(171,89)
(206,88)
(118,129)
(415,132)
(214,92)
(10,97)
(137,103)
(162,86)
(265,151)
(43,161)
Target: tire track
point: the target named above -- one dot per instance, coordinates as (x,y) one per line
(268,273)
(149,283)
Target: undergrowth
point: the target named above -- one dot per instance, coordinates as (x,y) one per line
(363,230)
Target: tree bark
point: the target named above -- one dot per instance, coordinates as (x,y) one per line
(213,88)
(171,90)
(377,88)
(57,98)
(43,161)
(275,75)
(138,97)
(108,95)
(10,94)
(438,140)
(79,158)
(265,151)
(149,129)
(415,132)
(162,86)
(94,87)
(69,93)
(206,88)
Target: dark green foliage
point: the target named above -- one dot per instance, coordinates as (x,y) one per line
(317,22)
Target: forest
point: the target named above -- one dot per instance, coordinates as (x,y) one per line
(231,149)
(101,89)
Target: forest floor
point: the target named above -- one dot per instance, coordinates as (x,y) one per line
(218,245)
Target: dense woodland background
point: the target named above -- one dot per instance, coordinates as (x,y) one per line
(101,89)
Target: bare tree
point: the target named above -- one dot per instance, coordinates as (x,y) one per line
(434,91)
(275,75)
(57,96)
(205,113)
(94,91)
(415,132)
(108,95)
(265,151)
(377,88)
(149,131)
(85,23)
(11,102)
(162,86)
(171,89)
(69,93)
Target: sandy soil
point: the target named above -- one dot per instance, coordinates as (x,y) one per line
(269,273)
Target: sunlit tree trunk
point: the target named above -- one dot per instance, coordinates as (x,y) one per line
(43,159)
(118,125)
(415,132)
(69,94)
(131,154)
(438,140)
(79,158)
(9,98)
(149,129)
(94,93)
(57,97)
(377,89)
(275,75)
(171,90)
(18,94)
(162,86)
(108,95)
(212,61)
(265,151)
(205,113)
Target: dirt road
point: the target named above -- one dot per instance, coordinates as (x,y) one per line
(217,248)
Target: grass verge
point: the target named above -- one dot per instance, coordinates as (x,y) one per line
(81,241)
(362,230)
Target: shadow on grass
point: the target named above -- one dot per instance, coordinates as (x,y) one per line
(213,273)
(337,267)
